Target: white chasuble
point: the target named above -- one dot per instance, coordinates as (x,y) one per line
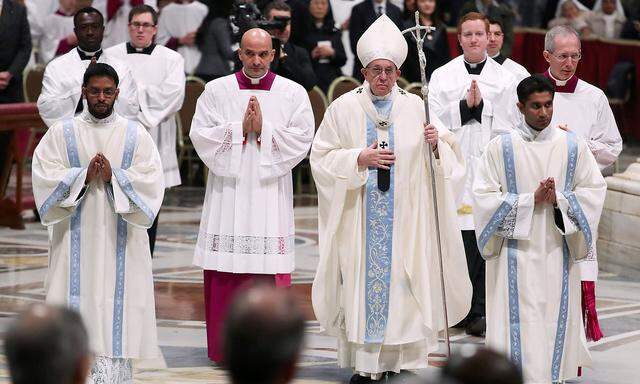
(585,110)
(377,286)
(533,282)
(176,21)
(159,76)
(62,87)
(247,220)
(447,88)
(99,260)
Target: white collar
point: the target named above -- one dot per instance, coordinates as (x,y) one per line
(530,135)
(254,80)
(87,117)
(473,65)
(87,52)
(559,82)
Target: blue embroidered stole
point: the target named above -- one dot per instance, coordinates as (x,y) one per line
(379,236)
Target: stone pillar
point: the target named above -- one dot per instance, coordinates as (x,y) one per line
(619,231)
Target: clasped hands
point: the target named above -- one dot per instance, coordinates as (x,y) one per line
(99,167)
(546,192)
(372,156)
(474,97)
(252,121)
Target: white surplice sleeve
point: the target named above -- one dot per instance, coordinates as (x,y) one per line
(127,103)
(56,101)
(137,186)
(58,187)
(498,213)
(581,205)
(157,102)
(447,111)
(217,141)
(606,142)
(285,144)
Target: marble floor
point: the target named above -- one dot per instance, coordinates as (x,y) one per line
(178,290)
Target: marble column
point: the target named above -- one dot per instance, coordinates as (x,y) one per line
(619,231)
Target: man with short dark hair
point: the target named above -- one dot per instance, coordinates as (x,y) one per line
(263,336)
(61,96)
(293,61)
(494,50)
(116,14)
(159,75)
(537,198)
(98,184)
(48,345)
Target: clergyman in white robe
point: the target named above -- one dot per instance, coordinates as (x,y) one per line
(62,86)
(117,18)
(377,286)
(99,262)
(177,20)
(532,250)
(247,228)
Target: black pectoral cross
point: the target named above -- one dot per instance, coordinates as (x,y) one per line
(384,145)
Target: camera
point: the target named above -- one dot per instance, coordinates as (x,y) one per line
(247,15)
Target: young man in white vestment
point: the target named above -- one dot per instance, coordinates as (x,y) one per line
(583,109)
(538,194)
(475,98)
(159,75)
(116,13)
(61,96)
(58,37)
(177,28)
(98,184)
(494,48)
(377,286)
(250,129)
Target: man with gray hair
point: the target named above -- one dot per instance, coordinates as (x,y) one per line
(581,108)
(263,336)
(48,344)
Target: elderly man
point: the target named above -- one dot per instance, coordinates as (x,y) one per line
(581,108)
(475,97)
(98,184)
(46,345)
(250,129)
(538,195)
(61,96)
(494,50)
(377,287)
(159,75)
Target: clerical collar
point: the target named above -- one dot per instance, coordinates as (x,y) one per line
(144,51)
(84,55)
(87,117)
(474,68)
(263,83)
(499,58)
(563,86)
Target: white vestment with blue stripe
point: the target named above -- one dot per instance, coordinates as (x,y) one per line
(377,286)
(99,261)
(533,279)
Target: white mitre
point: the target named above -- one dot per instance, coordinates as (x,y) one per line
(382,40)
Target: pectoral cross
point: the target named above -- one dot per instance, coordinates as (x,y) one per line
(383,145)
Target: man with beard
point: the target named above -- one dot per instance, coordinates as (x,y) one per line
(537,198)
(61,97)
(98,184)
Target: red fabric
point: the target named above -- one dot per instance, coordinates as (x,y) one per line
(112,8)
(173,43)
(264,84)
(219,290)
(63,47)
(590,318)
(569,87)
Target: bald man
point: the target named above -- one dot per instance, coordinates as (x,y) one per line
(263,336)
(250,129)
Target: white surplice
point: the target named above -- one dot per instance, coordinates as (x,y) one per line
(586,112)
(517,70)
(99,259)
(62,87)
(448,86)
(399,329)
(160,80)
(55,28)
(116,30)
(177,20)
(247,220)
(533,282)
